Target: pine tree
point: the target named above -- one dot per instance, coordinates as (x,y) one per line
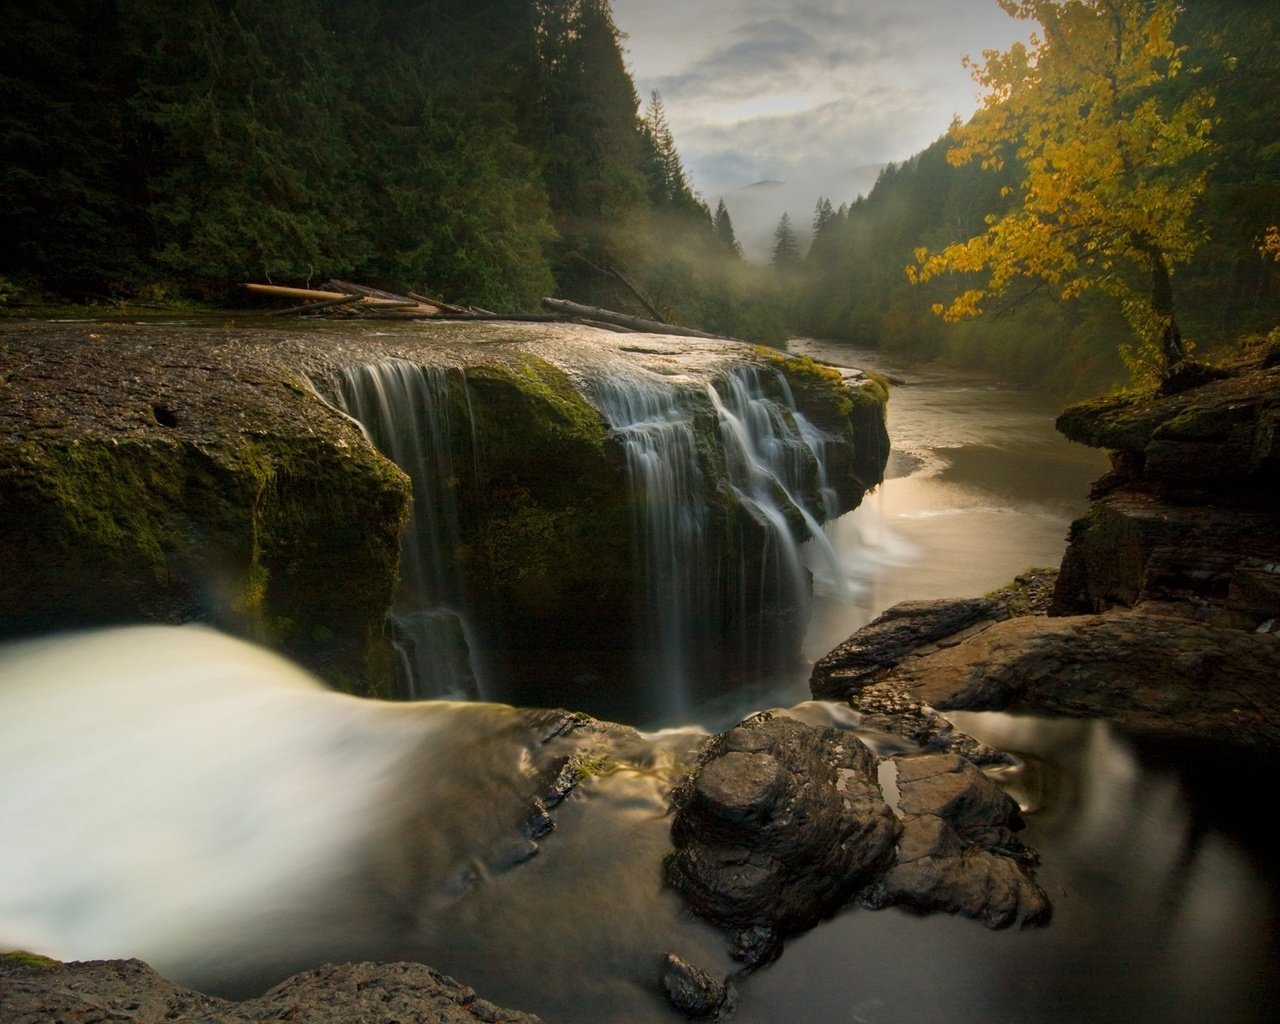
(724,230)
(786,247)
(823,216)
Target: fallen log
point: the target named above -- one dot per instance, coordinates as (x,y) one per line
(631,323)
(305,294)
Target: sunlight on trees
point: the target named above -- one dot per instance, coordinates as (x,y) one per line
(1110,137)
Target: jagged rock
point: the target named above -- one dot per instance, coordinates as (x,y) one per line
(778,828)
(882,643)
(1188,514)
(958,852)
(334,994)
(694,992)
(1215,444)
(783,823)
(1157,673)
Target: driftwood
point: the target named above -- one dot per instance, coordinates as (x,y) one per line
(632,323)
(345,298)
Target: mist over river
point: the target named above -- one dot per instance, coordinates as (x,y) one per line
(176,795)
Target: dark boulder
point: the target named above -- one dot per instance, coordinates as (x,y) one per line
(783,824)
(778,828)
(694,992)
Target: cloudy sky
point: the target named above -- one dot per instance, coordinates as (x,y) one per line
(809,92)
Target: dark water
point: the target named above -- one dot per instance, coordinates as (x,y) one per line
(181,797)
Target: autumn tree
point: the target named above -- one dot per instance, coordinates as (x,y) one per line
(1109,135)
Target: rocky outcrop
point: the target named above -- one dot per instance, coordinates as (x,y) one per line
(1187,518)
(166,472)
(1147,671)
(1165,608)
(784,823)
(34,992)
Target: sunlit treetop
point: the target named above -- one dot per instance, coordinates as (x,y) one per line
(1111,137)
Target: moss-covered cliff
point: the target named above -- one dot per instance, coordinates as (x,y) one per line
(166,472)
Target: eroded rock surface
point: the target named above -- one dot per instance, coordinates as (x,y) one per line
(784,823)
(129,990)
(959,851)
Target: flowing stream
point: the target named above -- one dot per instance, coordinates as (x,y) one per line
(172,794)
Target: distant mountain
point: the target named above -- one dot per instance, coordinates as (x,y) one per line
(757,208)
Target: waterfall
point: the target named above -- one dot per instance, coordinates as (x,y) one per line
(723,596)
(775,461)
(675,608)
(405,411)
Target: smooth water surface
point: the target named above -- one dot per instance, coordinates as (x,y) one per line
(979,487)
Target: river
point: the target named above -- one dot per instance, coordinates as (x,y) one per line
(173,794)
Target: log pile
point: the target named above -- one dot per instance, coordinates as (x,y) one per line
(345,300)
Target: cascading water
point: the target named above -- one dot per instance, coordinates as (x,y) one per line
(723,595)
(404,410)
(776,466)
(676,600)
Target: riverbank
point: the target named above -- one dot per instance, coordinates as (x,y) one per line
(1147,866)
(1164,616)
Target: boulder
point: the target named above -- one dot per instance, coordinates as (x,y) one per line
(784,823)
(408,993)
(694,992)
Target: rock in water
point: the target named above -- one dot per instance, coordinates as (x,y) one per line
(694,992)
(784,823)
(958,852)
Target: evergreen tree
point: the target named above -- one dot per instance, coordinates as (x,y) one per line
(786,247)
(724,230)
(669,185)
(823,216)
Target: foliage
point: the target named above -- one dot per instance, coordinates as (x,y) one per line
(1112,154)
(853,287)
(488,152)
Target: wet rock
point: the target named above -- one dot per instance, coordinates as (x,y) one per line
(783,823)
(1150,672)
(958,852)
(780,825)
(129,990)
(875,648)
(694,992)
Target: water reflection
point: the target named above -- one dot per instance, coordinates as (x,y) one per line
(1161,911)
(980,487)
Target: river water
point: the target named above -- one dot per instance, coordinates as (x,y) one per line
(173,794)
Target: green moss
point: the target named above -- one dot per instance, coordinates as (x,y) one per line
(545,395)
(22,958)
(270,538)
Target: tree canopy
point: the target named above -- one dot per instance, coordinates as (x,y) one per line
(1111,145)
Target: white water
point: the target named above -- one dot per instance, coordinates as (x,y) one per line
(715,611)
(677,603)
(404,410)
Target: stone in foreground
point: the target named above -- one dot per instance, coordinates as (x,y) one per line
(131,991)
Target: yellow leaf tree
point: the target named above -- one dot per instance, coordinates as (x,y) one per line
(1110,137)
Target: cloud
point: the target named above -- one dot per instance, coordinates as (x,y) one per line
(805,91)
